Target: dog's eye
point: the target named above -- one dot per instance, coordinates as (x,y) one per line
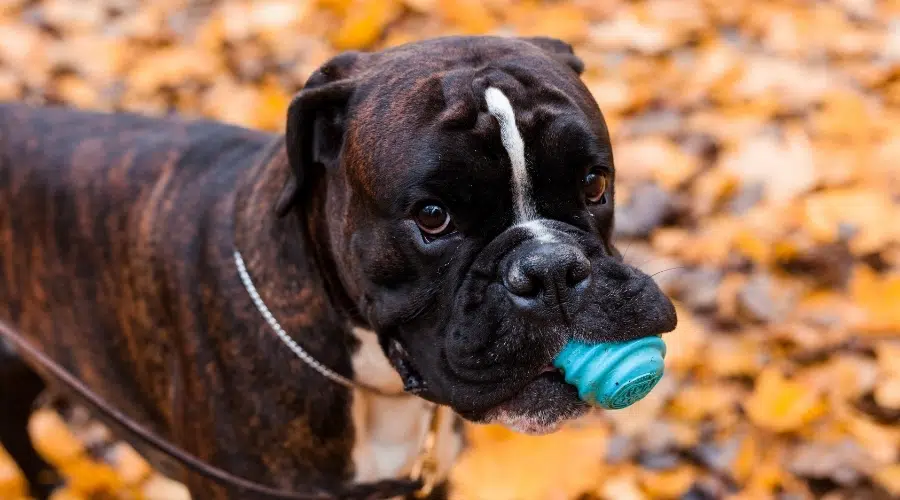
(434,220)
(595,184)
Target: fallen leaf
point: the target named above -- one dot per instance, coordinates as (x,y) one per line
(668,484)
(68,494)
(365,22)
(471,16)
(87,476)
(129,466)
(160,488)
(856,215)
(784,166)
(889,478)
(623,487)
(782,405)
(566,22)
(881,441)
(527,467)
(697,402)
(52,438)
(877,298)
(685,344)
(12,484)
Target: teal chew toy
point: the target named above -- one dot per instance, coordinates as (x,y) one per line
(613,375)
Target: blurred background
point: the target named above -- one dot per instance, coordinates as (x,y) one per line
(758,153)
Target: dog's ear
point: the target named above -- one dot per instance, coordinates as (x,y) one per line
(316,119)
(559,50)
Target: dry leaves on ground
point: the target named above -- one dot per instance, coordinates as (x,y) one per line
(758,154)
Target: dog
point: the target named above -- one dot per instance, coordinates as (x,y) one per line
(432,227)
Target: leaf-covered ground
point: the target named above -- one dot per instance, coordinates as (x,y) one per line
(758,153)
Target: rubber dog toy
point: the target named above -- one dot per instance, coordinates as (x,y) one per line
(613,375)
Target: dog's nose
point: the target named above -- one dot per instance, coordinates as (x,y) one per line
(549,273)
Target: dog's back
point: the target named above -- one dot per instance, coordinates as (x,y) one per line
(87,206)
(77,190)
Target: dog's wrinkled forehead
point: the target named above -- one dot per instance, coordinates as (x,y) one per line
(448,104)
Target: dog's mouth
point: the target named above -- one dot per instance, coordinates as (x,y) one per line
(542,406)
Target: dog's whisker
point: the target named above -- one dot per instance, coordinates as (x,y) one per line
(648,261)
(625,255)
(669,269)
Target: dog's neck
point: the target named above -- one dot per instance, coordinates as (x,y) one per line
(286,261)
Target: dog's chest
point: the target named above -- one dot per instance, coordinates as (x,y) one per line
(389,430)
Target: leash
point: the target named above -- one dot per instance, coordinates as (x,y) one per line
(420,484)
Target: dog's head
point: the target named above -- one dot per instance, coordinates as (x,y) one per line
(465,189)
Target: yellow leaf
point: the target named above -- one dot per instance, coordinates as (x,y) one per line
(888,352)
(52,439)
(889,478)
(272,108)
(532,467)
(685,343)
(785,167)
(668,484)
(877,298)
(67,494)
(697,402)
(864,210)
(881,441)
(887,393)
(782,405)
(130,466)
(712,188)
(659,158)
(172,67)
(12,484)
(747,457)
(158,487)
(844,116)
(77,91)
(622,487)
(86,476)
(365,23)
(339,6)
(471,16)
(564,21)
(749,243)
(732,356)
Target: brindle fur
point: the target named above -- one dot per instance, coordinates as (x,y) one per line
(116,241)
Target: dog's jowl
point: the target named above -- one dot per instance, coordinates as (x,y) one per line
(432,227)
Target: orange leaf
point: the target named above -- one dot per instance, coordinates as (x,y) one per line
(162,488)
(67,494)
(877,298)
(668,484)
(471,16)
(52,439)
(12,484)
(271,108)
(889,478)
(686,342)
(563,21)
(863,210)
(130,466)
(365,23)
(532,467)
(782,405)
(86,476)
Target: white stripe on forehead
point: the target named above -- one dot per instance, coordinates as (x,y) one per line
(526,214)
(499,106)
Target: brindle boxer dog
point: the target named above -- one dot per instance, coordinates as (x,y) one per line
(435,224)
